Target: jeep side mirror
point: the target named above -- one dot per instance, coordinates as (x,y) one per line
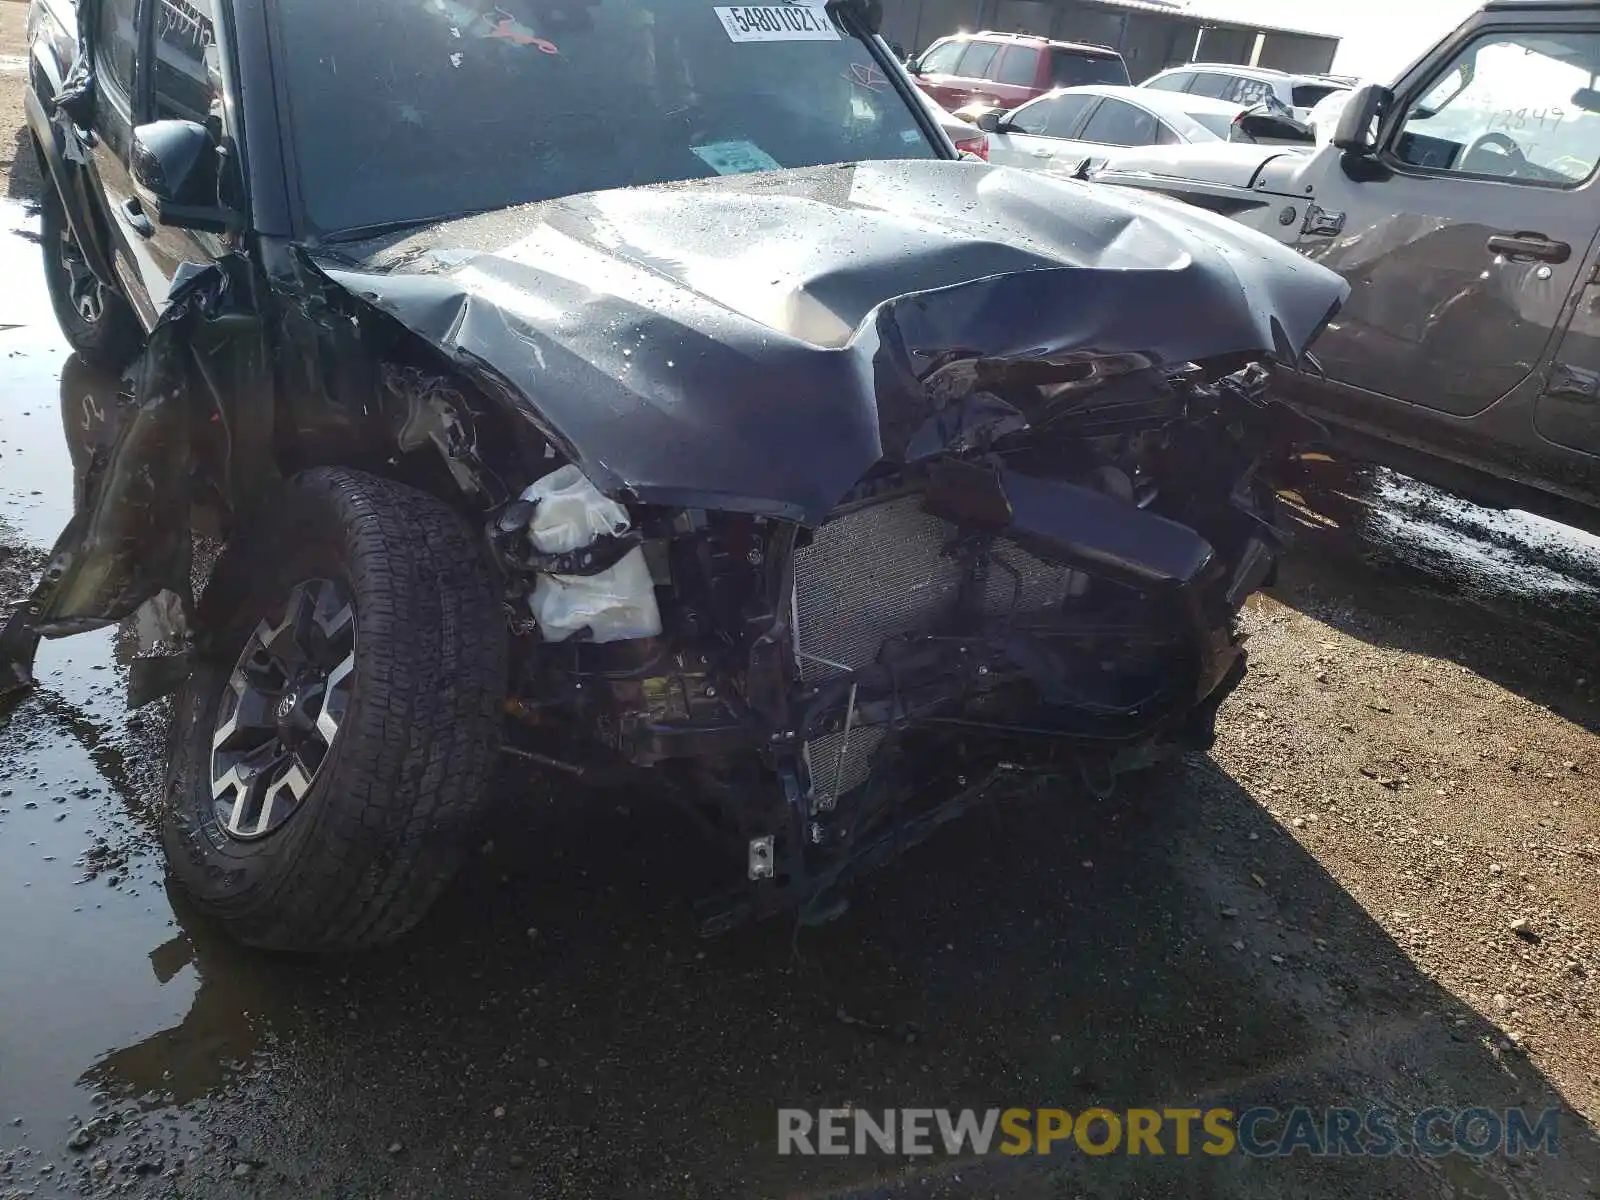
(1270,127)
(1357,131)
(175,174)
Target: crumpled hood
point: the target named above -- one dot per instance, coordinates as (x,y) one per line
(756,342)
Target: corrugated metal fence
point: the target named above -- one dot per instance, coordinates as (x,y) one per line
(1149,35)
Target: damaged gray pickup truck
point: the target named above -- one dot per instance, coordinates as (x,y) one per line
(631,390)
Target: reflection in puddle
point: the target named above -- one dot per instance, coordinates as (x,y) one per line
(218,1033)
(103,990)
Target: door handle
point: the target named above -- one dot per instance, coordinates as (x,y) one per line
(134,211)
(1528,247)
(1040,153)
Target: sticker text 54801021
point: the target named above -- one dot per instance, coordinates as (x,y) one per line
(777,23)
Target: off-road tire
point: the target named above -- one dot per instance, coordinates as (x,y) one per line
(111,341)
(397,800)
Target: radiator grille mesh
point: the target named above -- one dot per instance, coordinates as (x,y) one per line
(865,577)
(833,774)
(879,572)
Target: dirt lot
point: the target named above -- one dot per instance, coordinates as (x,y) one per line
(1379,889)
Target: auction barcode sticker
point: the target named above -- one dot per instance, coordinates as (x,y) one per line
(777,23)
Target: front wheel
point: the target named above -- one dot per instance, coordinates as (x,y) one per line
(96,320)
(333,745)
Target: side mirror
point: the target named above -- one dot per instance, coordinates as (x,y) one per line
(175,173)
(990,120)
(913,66)
(1357,131)
(1271,127)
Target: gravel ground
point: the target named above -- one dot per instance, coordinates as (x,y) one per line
(1378,889)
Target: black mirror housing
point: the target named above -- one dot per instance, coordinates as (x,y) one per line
(1265,125)
(990,120)
(1356,132)
(174,166)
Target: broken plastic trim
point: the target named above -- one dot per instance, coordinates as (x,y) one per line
(130,540)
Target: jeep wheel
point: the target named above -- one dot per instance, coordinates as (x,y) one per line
(96,320)
(332,747)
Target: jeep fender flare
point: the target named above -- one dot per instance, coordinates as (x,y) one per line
(64,174)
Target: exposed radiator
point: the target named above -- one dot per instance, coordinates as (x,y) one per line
(877,572)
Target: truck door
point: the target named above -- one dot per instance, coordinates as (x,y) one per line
(1568,410)
(1464,249)
(116,44)
(183,78)
(938,75)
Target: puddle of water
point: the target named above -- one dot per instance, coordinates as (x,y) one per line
(33,454)
(78,981)
(99,986)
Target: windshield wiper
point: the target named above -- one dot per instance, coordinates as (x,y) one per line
(360,233)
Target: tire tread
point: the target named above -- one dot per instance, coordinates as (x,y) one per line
(398,803)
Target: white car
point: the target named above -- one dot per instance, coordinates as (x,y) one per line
(1324,118)
(1067,126)
(1297,95)
(968,138)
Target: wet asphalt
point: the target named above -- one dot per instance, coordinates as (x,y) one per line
(556,1027)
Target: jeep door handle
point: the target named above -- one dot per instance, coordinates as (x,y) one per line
(134,211)
(1529,246)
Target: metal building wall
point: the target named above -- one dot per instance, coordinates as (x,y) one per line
(1226,45)
(1097,26)
(1153,43)
(1149,41)
(1307,55)
(1021,16)
(917,24)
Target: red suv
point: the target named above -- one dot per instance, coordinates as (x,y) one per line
(1008,69)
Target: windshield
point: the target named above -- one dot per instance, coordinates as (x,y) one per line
(406,110)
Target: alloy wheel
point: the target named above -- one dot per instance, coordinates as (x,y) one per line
(282,710)
(86,293)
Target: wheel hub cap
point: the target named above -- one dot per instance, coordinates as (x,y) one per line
(86,292)
(282,710)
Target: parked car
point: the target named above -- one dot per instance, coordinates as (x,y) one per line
(1324,118)
(717,433)
(1296,95)
(964,135)
(1071,125)
(1462,204)
(1007,69)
